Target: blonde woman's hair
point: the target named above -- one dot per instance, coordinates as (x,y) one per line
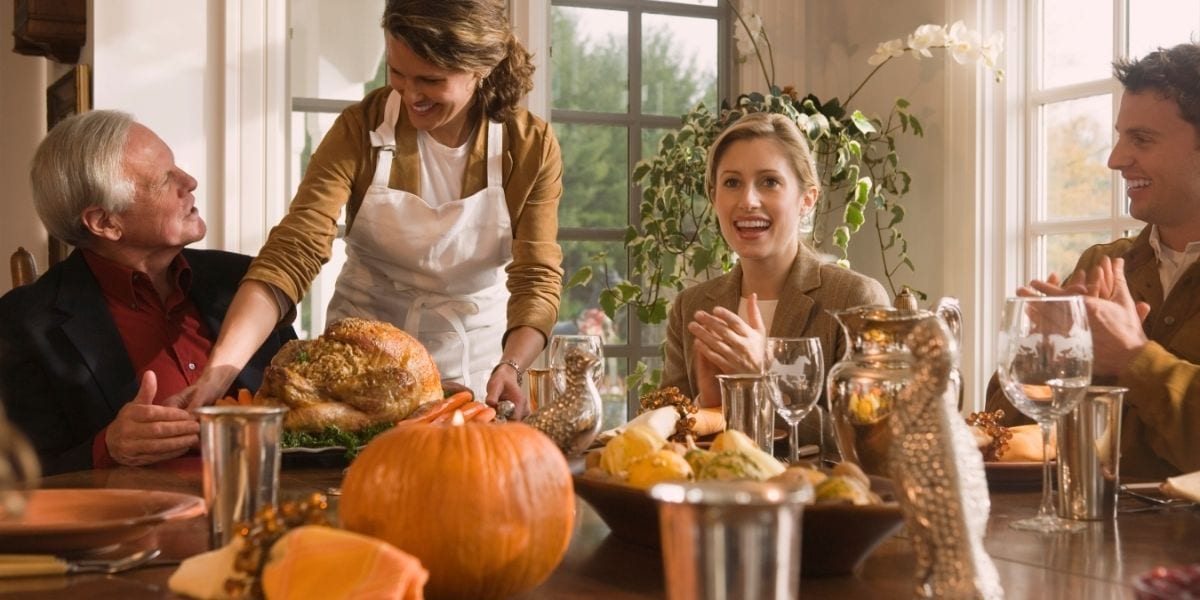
(467,35)
(80,165)
(764,125)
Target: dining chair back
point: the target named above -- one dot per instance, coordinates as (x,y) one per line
(24,268)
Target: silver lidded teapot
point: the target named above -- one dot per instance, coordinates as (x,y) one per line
(864,385)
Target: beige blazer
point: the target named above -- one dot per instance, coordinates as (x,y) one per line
(813,288)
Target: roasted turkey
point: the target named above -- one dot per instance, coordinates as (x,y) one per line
(358,373)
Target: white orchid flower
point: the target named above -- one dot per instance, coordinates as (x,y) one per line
(955,32)
(965,46)
(991,48)
(885,51)
(926,37)
(755,24)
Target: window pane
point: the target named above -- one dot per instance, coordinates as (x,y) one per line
(679,63)
(1078,139)
(336,48)
(651,137)
(1077,41)
(308,129)
(1062,250)
(654,335)
(595,175)
(1162,23)
(612,392)
(589,64)
(311,320)
(579,311)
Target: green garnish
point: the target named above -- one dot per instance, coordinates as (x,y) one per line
(331,436)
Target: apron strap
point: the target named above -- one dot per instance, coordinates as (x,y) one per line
(495,155)
(384,138)
(451,310)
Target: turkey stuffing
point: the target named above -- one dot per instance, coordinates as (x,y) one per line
(357,374)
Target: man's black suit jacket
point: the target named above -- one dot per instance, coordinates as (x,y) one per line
(64,372)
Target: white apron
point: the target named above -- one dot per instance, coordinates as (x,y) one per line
(435,271)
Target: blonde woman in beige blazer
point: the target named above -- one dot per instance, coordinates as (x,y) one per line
(762,182)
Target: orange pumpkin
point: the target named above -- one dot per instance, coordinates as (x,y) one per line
(487,508)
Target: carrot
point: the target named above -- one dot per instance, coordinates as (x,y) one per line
(487,415)
(439,408)
(226,401)
(467,409)
(245,398)
(470,410)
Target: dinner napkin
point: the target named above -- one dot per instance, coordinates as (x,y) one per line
(661,420)
(1184,486)
(1026,444)
(203,575)
(709,421)
(311,562)
(323,562)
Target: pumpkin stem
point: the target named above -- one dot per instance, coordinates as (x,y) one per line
(457,420)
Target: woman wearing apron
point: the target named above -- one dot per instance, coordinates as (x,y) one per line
(451,192)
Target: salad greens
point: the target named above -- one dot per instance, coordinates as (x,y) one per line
(331,436)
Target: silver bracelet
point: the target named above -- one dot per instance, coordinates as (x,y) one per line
(515,366)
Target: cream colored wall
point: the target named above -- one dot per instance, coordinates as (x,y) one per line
(839,38)
(23,122)
(822,47)
(162,62)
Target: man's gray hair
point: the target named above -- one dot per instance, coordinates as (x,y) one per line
(80,165)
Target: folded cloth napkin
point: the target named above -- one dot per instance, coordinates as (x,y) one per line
(661,420)
(709,421)
(323,562)
(1185,486)
(1026,444)
(311,562)
(203,575)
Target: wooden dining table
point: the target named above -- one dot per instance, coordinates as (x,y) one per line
(1100,562)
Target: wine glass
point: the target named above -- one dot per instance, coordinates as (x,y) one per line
(799,374)
(1045,366)
(561,344)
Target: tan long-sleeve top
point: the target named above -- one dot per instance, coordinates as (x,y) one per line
(1160,430)
(340,173)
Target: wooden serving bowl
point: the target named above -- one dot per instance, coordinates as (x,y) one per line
(836,537)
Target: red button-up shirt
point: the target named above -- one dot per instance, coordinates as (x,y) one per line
(164,335)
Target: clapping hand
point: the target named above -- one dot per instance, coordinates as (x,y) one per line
(726,344)
(1114,317)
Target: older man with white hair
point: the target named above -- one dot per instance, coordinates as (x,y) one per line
(89,352)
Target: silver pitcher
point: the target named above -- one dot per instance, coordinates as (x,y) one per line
(864,384)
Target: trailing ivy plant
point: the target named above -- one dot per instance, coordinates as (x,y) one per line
(677,239)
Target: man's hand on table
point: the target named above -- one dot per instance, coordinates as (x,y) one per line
(145,433)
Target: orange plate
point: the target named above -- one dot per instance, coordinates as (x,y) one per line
(57,521)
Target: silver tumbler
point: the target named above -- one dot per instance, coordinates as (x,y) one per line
(240,448)
(1089,456)
(747,407)
(731,540)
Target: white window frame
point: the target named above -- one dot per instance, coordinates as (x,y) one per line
(634,350)
(1036,224)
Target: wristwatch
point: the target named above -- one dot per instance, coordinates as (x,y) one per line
(515,366)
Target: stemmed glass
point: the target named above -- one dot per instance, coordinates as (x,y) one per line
(798,370)
(1045,366)
(561,344)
